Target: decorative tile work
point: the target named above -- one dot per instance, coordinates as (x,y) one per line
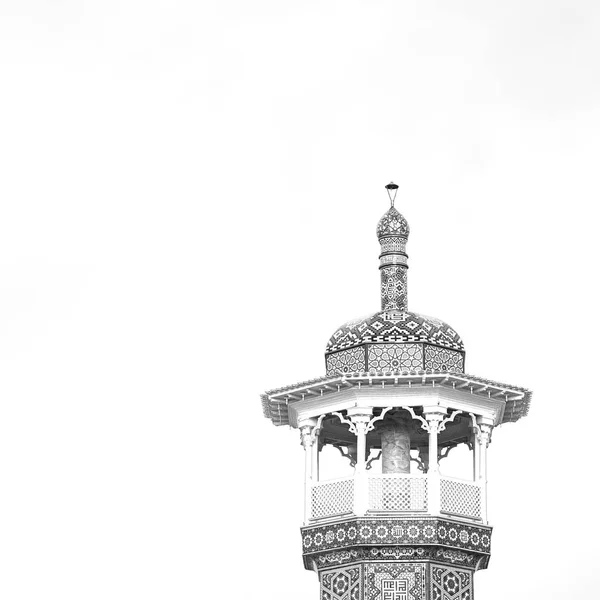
(407,577)
(341,584)
(395,326)
(399,553)
(442,360)
(378,532)
(393,288)
(346,361)
(393,223)
(395,357)
(393,244)
(450,584)
(394,589)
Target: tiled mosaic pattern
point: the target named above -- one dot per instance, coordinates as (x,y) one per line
(379,532)
(393,244)
(393,223)
(450,584)
(442,359)
(341,584)
(379,578)
(400,553)
(346,361)
(393,288)
(395,326)
(395,357)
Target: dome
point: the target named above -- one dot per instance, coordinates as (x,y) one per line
(394,341)
(392,223)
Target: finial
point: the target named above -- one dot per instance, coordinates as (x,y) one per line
(392,190)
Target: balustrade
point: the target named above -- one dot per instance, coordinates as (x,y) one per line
(386,494)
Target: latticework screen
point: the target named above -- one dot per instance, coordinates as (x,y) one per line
(397,493)
(460,498)
(332,498)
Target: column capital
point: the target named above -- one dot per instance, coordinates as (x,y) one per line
(306,427)
(360,417)
(486,425)
(434,416)
(434,413)
(360,413)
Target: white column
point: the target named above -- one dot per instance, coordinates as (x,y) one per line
(476,454)
(434,416)
(315,458)
(484,437)
(360,418)
(306,438)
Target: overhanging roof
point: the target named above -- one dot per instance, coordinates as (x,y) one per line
(276,402)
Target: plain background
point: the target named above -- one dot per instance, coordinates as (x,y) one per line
(189,193)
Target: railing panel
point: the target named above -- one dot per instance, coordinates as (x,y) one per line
(398,493)
(461,498)
(332,498)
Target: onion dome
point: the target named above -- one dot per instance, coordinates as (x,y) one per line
(394,339)
(392,224)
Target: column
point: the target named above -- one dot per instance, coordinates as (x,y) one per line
(476,453)
(360,418)
(316,449)
(434,416)
(306,439)
(395,446)
(485,434)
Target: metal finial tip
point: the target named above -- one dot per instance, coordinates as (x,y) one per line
(392,190)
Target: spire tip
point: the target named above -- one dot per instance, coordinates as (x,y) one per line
(392,190)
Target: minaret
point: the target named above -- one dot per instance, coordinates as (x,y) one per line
(394,401)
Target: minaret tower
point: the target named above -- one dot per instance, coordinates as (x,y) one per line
(394,401)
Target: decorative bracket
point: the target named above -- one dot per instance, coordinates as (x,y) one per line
(347,454)
(479,432)
(425,424)
(420,463)
(347,421)
(445,451)
(373,459)
(317,428)
(380,417)
(448,420)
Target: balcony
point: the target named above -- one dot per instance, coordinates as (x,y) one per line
(388,495)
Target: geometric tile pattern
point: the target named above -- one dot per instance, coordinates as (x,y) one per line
(394,224)
(395,326)
(341,584)
(429,531)
(450,584)
(398,553)
(347,361)
(442,360)
(395,357)
(393,288)
(383,580)
(393,244)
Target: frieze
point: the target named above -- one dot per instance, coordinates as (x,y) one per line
(426,531)
(363,554)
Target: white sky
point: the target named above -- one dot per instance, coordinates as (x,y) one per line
(189,194)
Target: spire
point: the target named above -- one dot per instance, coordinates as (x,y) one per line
(392,232)
(392,189)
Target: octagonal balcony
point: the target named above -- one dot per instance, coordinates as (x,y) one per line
(394,495)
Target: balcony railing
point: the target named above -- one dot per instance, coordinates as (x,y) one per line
(395,494)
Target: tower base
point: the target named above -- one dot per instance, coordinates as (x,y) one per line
(396,559)
(396,581)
